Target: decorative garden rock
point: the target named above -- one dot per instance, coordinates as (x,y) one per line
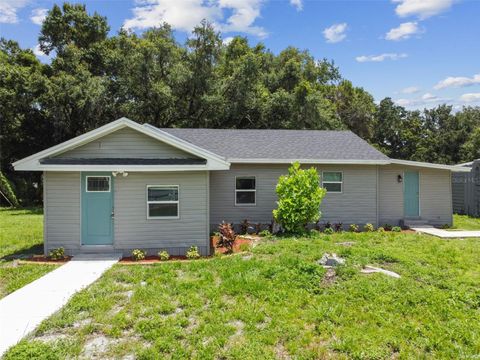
(329,260)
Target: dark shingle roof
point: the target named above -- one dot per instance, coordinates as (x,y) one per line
(280,144)
(121,161)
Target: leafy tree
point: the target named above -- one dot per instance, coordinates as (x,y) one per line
(71,24)
(470,150)
(299,198)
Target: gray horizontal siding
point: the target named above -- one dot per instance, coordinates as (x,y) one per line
(134,230)
(357,203)
(62,210)
(126,143)
(435,195)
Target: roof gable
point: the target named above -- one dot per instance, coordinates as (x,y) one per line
(214,162)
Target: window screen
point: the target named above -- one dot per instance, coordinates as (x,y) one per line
(98,183)
(245,190)
(162,201)
(333,181)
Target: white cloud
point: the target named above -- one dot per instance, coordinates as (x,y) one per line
(186,14)
(335,33)
(427,100)
(404,31)
(380,58)
(421,8)
(9,9)
(410,90)
(298,4)
(36,50)
(38,15)
(227,40)
(470,97)
(459,81)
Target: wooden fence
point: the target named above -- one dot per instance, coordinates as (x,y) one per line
(466,191)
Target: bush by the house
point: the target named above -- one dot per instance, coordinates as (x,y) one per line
(258,228)
(368,228)
(328,231)
(57,254)
(163,255)
(299,198)
(338,227)
(396,229)
(387,227)
(353,228)
(265,233)
(192,253)
(244,227)
(381,229)
(138,254)
(227,236)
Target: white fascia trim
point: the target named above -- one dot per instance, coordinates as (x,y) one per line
(309,161)
(121,168)
(455,168)
(214,162)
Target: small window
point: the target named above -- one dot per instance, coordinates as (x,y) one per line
(245,190)
(333,181)
(98,183)
(162,201)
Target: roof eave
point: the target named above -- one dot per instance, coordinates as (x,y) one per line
(454,168)
(309,161)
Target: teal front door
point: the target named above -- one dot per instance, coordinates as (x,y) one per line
(411,192)
(97,208)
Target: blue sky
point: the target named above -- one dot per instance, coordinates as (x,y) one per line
(418,52)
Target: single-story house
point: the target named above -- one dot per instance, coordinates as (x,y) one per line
(466,189)
(126,185)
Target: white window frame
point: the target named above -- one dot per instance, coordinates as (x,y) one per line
(163,202)
(246,190)
(97,176)
(333,182)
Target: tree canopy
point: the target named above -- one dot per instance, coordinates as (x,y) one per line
(95,77)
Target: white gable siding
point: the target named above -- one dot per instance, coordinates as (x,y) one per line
(126,143)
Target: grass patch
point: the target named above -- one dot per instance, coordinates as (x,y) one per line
(275,303)
(466,222)
(21,234)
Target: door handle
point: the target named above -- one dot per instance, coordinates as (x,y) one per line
(112,214)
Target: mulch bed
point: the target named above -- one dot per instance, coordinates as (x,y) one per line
(152,259)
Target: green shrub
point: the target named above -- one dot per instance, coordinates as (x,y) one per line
(338,227)
(328,231)
(265,233)
(445,226)
(368,228)
(314,232)
(387,227)
(57,254)
(353,228)
(192,253)
(381,229)
(396,229)
(299,198)
(244,225)
(163,255)
(138,254)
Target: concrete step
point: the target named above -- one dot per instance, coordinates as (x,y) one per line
(416,223)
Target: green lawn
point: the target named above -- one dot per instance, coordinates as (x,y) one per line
(466,222)
(21,234)
(277,303)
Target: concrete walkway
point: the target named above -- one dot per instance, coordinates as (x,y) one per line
(23,310)
(447,234)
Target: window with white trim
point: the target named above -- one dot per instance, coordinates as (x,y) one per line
(332,181)
(98,183)
(162,202)
(245,190)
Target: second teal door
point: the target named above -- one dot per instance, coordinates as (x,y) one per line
(411,192)
(97,208)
